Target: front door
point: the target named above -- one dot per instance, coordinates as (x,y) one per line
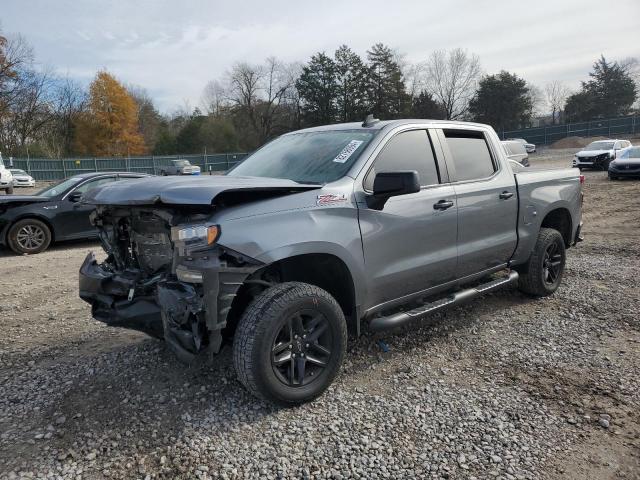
(409,245)
(73,217)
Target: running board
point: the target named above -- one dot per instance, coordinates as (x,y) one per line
(379,324)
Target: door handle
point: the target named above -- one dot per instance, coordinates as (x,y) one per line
(443,205)
(505,195)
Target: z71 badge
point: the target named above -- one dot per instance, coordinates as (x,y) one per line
(331,199)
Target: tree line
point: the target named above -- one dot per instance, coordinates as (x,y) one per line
(42,114)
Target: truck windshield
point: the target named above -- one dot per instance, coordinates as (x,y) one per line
(307,157)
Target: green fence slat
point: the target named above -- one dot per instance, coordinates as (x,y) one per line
(51,169)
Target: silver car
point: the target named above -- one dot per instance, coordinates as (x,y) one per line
(516,151)
(22,178)
(529,147)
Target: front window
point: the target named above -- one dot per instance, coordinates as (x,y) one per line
(18,172)
(59,188)
(307,157)
(181,163)
(600,146)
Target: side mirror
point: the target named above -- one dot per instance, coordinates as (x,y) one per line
(75,197)
(392,184)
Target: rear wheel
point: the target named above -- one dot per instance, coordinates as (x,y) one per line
(290,343)
(543,272)
(29,236)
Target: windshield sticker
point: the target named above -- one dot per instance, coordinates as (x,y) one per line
(347,151)
(331,198)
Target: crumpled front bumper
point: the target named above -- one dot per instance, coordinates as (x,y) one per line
(189,316)
(109,296)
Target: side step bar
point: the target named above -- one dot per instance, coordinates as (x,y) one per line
(379,324)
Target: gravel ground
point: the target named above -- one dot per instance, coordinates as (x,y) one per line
(503,387)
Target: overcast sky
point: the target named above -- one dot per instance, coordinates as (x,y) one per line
(172,48)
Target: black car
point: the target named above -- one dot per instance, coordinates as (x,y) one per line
(626,164)
(29,223)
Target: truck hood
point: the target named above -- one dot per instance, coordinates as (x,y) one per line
(22,199)
(592,153)
(198,190)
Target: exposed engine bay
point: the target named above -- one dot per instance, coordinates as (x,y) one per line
(156,281)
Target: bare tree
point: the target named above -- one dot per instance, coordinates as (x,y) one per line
(537,100)
(556,94)
(214,98)
(260,93)
(68,101)
(452,77)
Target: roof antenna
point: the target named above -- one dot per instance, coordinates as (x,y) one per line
(369,121)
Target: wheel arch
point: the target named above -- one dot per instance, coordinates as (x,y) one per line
(560,219)
(324,270)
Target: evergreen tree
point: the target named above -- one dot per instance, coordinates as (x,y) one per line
(388,96)
(425,106)
(351,79)
(610,92)
(318,88)
(502,101)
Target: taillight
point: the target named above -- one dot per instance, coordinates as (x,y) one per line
(581,179)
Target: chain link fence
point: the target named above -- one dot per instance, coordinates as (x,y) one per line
(609,127)
(59,169)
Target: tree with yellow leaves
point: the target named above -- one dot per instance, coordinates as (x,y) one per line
(109,127)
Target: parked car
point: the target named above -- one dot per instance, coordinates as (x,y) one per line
(180,167)
(599,154)
(529,147)
(22,178)
(29,223)
(626,164)
(6,178)
(370,225)
(516,151)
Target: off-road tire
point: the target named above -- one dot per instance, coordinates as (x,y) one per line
(532,279)
(258,329)
(19,247)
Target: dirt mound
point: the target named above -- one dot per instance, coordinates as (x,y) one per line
(575,142)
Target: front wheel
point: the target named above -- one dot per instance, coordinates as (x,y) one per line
(290,343)
(10,190)
(611,177)
(543,272)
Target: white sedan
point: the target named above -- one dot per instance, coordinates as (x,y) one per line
(22,178)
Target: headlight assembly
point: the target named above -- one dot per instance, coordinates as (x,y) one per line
(194,237)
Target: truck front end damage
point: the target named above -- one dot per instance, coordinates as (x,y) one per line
(165,275)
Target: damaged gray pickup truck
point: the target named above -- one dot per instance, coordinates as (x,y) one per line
(344,227)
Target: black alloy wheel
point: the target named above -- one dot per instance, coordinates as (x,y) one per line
(290,343)
(302,348)
(552,263)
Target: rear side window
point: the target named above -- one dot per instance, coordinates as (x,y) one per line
(410,150)
(470,154)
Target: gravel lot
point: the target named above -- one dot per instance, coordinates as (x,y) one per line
(504,387)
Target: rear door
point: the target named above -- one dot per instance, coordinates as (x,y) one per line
(409,245)
(487,201)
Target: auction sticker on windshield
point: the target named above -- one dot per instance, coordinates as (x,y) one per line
(347,151)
